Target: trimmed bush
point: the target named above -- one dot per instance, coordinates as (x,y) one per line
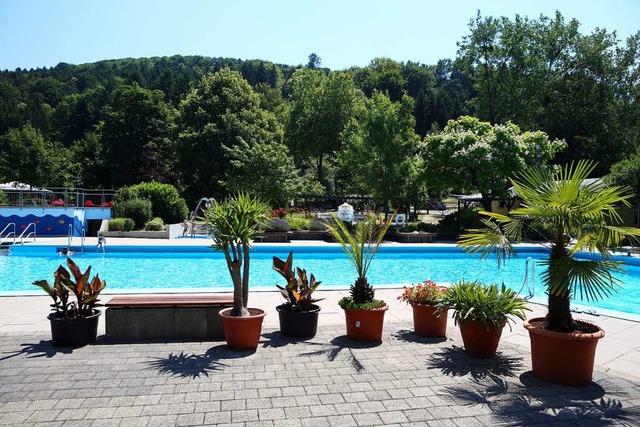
(155,224)
(4,199)
(411,227)
(166,202)
(121,224)
(138,210)
(278,225)
(317,226)
(298,223)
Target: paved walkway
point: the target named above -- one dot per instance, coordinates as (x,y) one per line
(328,380)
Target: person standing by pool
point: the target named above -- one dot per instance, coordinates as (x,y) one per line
(102,241)
(193,227)
(185,228)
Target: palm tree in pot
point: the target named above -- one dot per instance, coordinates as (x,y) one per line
(234,223)
(572,214)
(364,314)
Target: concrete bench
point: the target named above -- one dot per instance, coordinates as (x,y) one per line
(165,317)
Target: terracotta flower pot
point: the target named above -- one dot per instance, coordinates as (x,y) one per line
(562,358)
(426,323)
(365,325)
(242,332)
(480,340)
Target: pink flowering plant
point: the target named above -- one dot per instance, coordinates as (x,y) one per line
(425,293)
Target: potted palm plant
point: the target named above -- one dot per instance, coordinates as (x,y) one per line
(234,223)
(424,297)
(364,314)
(73,323)
(571,214)
(482,311)
(299,314)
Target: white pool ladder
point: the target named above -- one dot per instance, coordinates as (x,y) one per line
(32,233)
(9,233)
(529,278)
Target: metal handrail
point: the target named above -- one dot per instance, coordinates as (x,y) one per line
(9,233)
(33,233)
(84,235)
(70,236)
(529,280)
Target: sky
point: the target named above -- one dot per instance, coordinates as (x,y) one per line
(344,33)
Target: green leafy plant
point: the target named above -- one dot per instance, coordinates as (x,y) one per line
(155,224)
(563,208)
(139,210)
(298,222)
(298,291)
(166,202)
(489,304)
(361,247)
(279,225)
(121,224)
(234,224)
(85,290)
(317,225)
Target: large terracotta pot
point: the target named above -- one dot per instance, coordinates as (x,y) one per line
(242,332)
(426,323)
(298,324)
(365,325)
(480,340)
(562,358)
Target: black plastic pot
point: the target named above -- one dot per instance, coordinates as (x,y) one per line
(298,324)
(74,332)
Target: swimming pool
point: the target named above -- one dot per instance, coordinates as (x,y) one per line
(189,268)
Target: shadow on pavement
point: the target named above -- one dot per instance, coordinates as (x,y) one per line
(44,348)
(350,348)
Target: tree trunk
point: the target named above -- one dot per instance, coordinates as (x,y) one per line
(245,277)
(239,308)
(559,317)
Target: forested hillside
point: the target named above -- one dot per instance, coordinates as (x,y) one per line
(214,125)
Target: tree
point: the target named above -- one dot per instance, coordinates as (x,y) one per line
(380,147)
(27,157)
(565,210)
(221,113)
(470,155)
(626,173)
(321,106)
(314,61)
(136,137)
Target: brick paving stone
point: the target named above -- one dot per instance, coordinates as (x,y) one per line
(239,416)
(190,419)
(215,418)
(368,419)
(135,422)
(72,414)
(342,421)
(271,414)
(393,417)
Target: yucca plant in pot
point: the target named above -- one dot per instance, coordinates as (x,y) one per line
(424,297)
(571,214)
(482,311)
(364,314)
(299,314)
(73,323)
(234,224)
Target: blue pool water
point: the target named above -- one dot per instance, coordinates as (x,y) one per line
(156,268)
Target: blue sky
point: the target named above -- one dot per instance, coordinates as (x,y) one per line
(37,33)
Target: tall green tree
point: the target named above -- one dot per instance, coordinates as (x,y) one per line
(27,157)
(474,156)
(136,137)
(321,106)
(379,148)
(220,122)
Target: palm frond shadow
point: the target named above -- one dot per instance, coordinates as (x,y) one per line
(336,347)
(192,365)
(277,340)
(453,361)
(44,348)
(533,400)
(410,336)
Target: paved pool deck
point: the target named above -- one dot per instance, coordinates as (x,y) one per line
(327,380)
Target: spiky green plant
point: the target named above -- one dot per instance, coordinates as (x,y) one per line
(361,247)
(562,207)
(234,223)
